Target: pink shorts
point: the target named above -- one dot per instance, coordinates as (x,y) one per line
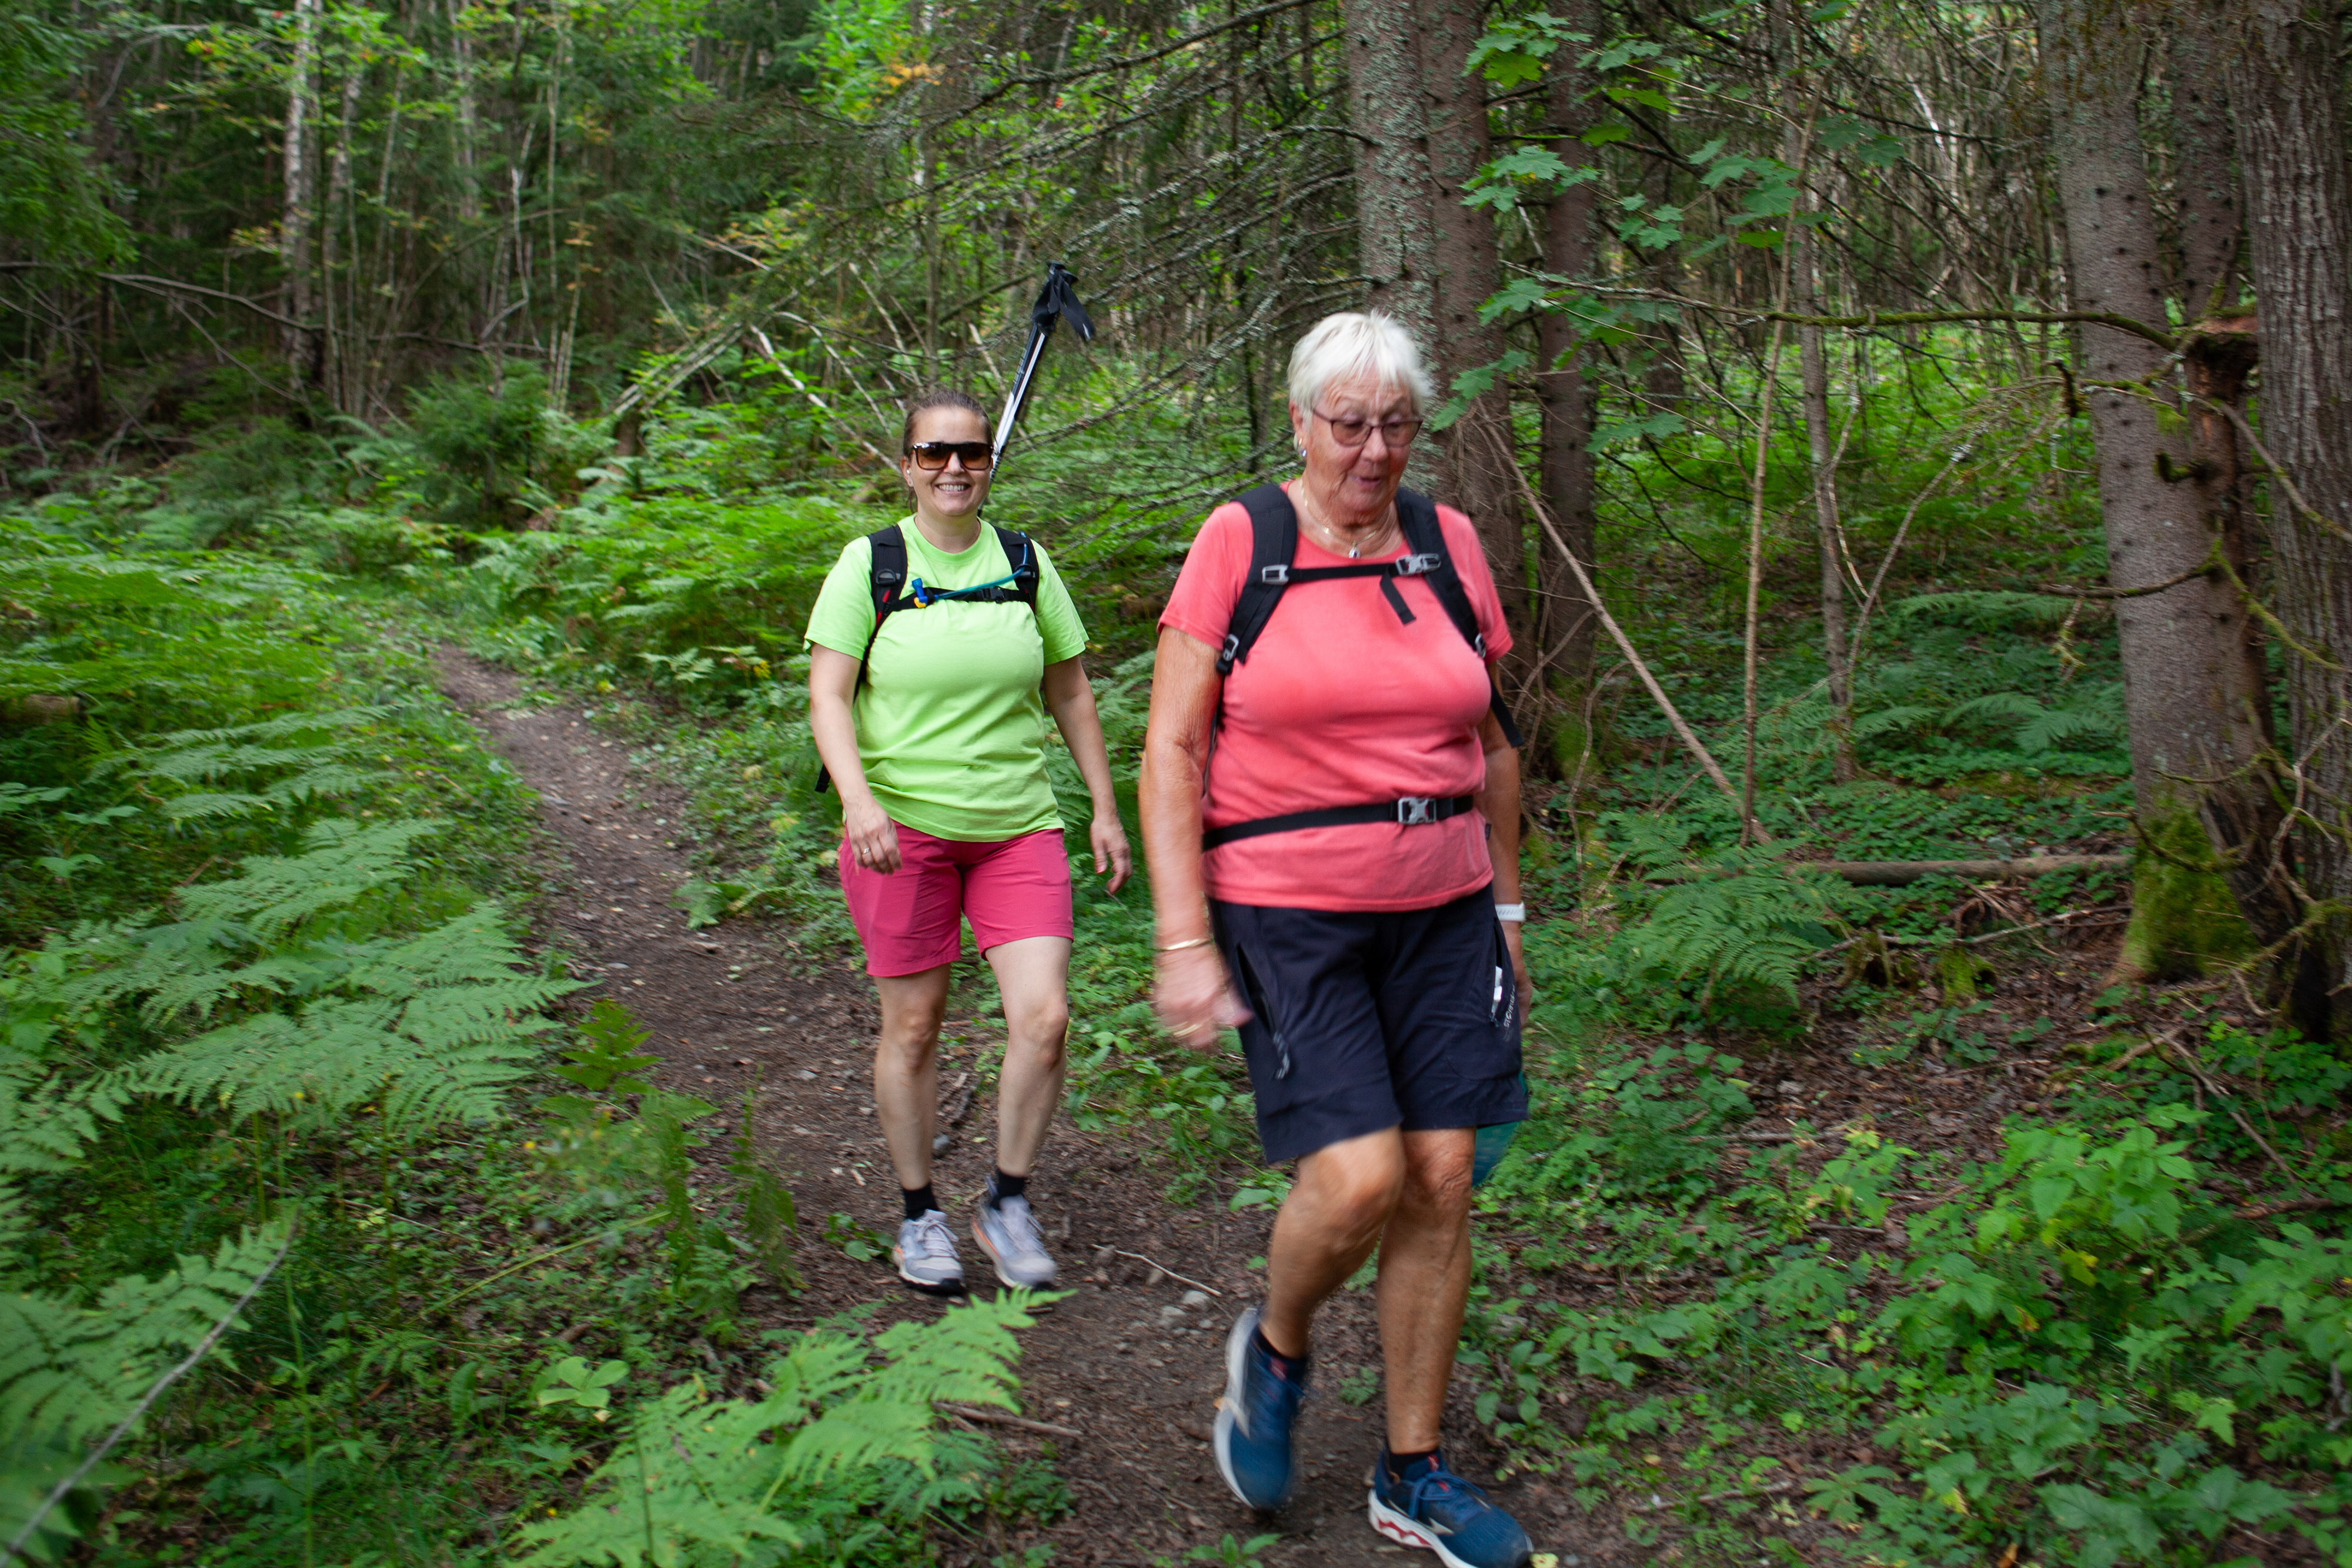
(913,919)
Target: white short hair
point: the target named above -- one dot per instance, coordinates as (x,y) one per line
(1358,343)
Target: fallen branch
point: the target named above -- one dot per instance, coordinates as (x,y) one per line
(1167,1270)
(1001,1419)
(1902,873)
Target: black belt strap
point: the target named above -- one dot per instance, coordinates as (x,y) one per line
(1411,812)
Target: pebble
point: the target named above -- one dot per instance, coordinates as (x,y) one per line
(1196,1299)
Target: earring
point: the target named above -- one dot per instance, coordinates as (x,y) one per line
(1302,452)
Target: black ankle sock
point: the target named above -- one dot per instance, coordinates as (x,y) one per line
(921,1200)
(1002,1187)
(1291,1367)
(1397,1463)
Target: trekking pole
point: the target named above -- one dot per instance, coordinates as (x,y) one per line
(1059,299)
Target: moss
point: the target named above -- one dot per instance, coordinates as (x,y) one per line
(2184,921)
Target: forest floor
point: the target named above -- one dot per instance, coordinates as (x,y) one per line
(737,1009)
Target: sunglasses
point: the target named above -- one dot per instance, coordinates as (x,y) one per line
(978,457)
(1350,431)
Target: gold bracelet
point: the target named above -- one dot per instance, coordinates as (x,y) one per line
(1179,947)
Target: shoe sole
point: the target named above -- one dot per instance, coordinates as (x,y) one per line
(929,1287)
(997,1263)
(1401,1527)
(1221,1434)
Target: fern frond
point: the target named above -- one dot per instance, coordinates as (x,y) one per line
(1887,719)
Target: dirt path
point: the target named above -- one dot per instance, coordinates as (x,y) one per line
(733,1005)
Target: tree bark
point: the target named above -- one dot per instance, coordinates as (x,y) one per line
(1566,622)
(2182,654)
(2285,92)
(1482,446)
(1822,454)
(2206,211)
(1396,243)
(294,225)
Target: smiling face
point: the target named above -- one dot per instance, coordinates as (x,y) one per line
(1354,483)
(948,495)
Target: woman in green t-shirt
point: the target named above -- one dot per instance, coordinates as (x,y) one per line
(932,724)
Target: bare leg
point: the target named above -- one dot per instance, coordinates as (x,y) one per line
(1034,976)
(1425,1283)
(907,1068)
(1328,1226)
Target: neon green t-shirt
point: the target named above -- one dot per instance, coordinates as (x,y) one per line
(950,722)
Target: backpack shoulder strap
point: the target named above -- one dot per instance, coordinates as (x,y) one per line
(1273,540)
(1022,557)
(1425,535)
(886,571)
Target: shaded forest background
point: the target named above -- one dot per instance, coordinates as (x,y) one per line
(1914,439)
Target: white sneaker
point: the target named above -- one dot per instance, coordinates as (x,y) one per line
(926,1254)
(1007,1232)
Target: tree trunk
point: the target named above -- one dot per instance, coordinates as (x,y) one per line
(2205,207)
(1822,454)
(1482,446)
(2286,94)
(1393,236)
(1396,242)
(2182,657)
(1566,623)
(294,226)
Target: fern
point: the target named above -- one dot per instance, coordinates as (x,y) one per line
(1742,921)
(1986,610)
(68,1373)
(696,1481)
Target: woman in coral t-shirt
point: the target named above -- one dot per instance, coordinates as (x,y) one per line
(1332,811)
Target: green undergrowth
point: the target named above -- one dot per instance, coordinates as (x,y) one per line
(317,1216)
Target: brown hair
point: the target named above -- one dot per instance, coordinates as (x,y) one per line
(943,397)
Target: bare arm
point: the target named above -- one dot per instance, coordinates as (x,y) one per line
(1072,700)
(1194,995)
(1500,803)
(832,688)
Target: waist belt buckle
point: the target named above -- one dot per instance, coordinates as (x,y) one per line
(1415,810)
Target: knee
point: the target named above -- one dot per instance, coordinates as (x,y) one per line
(1437,1180)
(911,1034)
(1360,1198)
(1042,1024)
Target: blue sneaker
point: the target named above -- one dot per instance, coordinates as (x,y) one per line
(1254,1420)
(1432,1507)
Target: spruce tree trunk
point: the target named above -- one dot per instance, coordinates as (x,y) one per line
(1480,449)
(2207,212)
(1566,622)
(2183,659)
(2286,95)
(1393,239)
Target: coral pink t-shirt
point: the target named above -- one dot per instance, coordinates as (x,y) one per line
(1340,702)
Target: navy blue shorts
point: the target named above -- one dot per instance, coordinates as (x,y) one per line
(1363,1022)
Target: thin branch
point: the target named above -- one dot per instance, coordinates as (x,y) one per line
(58,1493)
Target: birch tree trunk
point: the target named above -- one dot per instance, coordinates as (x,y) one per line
(2286,95)
(1566,622)
(2183,672)
(294,225)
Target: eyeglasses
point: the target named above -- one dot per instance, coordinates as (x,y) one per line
(978,457)
(1351,432)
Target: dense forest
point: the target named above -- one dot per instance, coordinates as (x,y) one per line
(1912,439)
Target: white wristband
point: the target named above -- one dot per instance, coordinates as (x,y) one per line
(1516,914)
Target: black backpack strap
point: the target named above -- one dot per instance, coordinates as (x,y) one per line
(1425,535)
(886,580)
(1022,557)
(1273,540)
